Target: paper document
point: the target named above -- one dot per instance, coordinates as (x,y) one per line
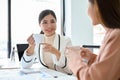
(30,71)
(37,72)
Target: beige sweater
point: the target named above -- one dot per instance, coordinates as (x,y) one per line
(47,57)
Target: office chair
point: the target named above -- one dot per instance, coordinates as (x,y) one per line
(21,48)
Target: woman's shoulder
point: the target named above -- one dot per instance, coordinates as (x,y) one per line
(64,37)
(66,40)
(116,32)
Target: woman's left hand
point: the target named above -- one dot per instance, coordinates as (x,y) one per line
(49,48)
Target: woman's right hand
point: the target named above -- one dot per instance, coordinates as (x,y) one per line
(31,42)
(86,53)
(73,58)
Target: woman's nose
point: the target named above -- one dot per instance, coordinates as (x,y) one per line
(49,25)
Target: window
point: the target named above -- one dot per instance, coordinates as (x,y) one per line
(24,20)
(24,17)
(3,28)
(98,36)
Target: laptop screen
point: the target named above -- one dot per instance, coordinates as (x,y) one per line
(21,48)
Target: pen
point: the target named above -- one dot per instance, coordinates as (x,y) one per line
(91,46)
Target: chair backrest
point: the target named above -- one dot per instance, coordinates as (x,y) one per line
(21,48)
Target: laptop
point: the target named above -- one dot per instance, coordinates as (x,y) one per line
(21,48)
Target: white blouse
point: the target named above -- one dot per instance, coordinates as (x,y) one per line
(47,59)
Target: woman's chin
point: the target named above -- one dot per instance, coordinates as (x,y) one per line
(50,34)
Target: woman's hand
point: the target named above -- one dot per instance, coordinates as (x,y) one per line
(31,42)
(76,56)
(85,53)
(49,48)
(73,57)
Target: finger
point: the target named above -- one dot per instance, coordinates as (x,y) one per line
(30,38)
(82,54)
(43,43)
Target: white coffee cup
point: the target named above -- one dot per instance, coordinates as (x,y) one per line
(38,38)
(76,47)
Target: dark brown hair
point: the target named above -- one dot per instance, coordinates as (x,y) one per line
(45,13)
(109,12)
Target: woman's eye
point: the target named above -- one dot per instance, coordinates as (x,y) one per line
(44,22)
(52,21)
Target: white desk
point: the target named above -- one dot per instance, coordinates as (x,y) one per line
(15,73)
(44,74)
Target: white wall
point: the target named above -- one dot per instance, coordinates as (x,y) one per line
(78,24)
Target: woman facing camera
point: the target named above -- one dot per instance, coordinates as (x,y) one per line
(51,52)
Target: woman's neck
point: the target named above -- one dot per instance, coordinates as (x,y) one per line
(49,35)
(49,39)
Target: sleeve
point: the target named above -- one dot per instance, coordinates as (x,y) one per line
(27,61)
(106,67)
(61,65)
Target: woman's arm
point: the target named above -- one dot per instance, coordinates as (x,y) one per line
(105,67)
(28,56)
(27,61)
(61,64)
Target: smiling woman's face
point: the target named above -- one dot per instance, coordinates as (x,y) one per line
(48,25)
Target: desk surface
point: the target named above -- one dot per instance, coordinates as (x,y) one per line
(43,74)
(16,73)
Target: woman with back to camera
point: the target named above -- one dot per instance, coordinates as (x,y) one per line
(106,65)
(52,54)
